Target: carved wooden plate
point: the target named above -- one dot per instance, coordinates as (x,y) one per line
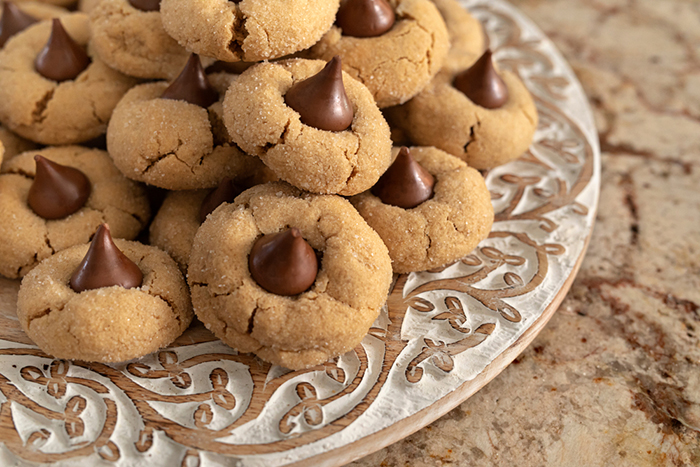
(441,336)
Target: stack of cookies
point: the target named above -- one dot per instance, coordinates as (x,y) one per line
(260,134)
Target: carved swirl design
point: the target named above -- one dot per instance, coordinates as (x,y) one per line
(200,396)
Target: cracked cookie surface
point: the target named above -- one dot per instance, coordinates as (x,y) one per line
(177,221)
(134,41)
(48,112)
(444,117)
(28,238)
(440,230)
(109,324)
(250,30)
(260,122)
(299,331)
(398,64)
(172,144)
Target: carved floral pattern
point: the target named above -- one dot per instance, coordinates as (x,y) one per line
(55,410)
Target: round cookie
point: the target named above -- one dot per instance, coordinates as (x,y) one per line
(466,35)
(28,238)
(134,41)
(172,144)
(177,221)
(13,145)
(260,122)
(396,65)
(250,30)
(38,10)
(444,117)
(49,112)
(440,230)
(109,324)
(297,331)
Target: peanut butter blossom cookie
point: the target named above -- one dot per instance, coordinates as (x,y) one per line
(58,197)
(313,125)
(129,36)
(294,277)
(171,135)
(249,30)
(467,37)
(109,301)
(182,212)
(483,116)
(51,90)
(393,47)
(15,18)
(429,208)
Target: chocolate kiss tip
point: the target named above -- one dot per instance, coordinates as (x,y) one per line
(226,192)
(192,85)
(13,21)
(482,84)
(57,190)
(406,183)
(321,100)
(365,18)
(62,58)
(145,5)
(105,265)
(283,263)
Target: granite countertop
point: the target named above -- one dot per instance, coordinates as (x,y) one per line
(614,378)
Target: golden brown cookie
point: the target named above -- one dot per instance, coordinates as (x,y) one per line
(13,145)
(39,10)
(50,112)
(172,144)
(60,3)
(440,230)
(134,41)
(86,6)
(28,238)
(261,123)
(444,117)
(251,30)
(465,32)
(109,324)
(398,64)
(298,331)
(178,219)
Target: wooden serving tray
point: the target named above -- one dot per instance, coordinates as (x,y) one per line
(442,334)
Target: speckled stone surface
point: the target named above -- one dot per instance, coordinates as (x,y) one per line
(614,378)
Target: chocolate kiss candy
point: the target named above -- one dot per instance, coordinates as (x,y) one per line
(321,100)
(481,84)
(283,263)
(57,190)
(226,192)
(365,18)
(61,58)
(105,265)
(192,85)
(13,21)
(405,184)
(146,5)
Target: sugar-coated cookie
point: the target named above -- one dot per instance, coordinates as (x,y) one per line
(108,324)
(442,229)
(134,42)
(249,30)
(171,143)
(328,319)
(444,117)
(399,63)
(28,238)
(467,37)
(261,123)
(13,145)
(51,112)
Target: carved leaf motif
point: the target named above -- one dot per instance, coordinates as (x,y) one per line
(510,313)
(145,441)
(580,209)
(203,416)
(138,369)
(514,260)
(513,280)
(37,439)
(492,253)
(486,329)
(314,415)
(218,378)
(74,424)
(553,249)
(182,380)
(191,459)
(33,374)
(443,361)
(306,391)
(414,373)
(167,359)
(420,304)
(472,260)
(109,452)
(335,372)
